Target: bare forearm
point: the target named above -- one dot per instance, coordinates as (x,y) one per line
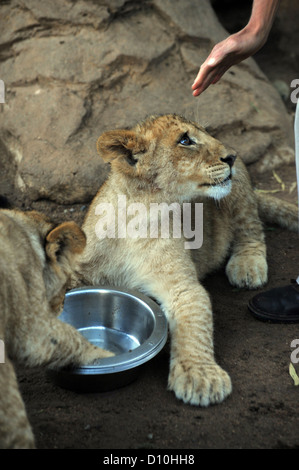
(237,47)
(262,17)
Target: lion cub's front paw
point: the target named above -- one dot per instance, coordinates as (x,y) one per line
(95,354)
(203,384)
(249,271)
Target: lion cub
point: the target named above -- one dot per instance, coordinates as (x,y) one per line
(36,262)
(168,159)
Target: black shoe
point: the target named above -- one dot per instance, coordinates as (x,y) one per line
(279,305)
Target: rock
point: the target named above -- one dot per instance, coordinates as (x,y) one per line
(288,14)
(75,69)
(275,158)
(283,89)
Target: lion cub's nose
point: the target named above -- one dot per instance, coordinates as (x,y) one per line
(229,159)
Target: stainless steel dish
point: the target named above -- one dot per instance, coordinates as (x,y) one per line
(127,323)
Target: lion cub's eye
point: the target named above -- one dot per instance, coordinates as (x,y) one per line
(185,140)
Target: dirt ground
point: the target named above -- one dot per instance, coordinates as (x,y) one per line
(261,413)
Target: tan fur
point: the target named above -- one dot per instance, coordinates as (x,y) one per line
(37,259)
(148,164)
(279,212)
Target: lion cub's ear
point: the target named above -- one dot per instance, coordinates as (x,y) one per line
(65,241)
(121,145)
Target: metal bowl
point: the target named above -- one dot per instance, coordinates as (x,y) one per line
(125,322)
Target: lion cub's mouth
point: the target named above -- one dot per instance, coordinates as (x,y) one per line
(219,183)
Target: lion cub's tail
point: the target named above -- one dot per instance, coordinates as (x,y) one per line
(274,210)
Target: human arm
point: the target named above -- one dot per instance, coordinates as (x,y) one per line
(237,47)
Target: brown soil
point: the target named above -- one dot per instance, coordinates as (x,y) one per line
(260,413)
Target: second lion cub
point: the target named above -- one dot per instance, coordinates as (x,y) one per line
(168,159)
(36,262)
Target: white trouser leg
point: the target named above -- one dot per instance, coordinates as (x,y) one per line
(296,130)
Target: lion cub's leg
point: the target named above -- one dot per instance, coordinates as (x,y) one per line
(15,430)
(56,344)
(194,375)
(247,266)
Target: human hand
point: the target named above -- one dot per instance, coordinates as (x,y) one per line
(224,55)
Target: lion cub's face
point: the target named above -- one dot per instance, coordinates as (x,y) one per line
(171,156)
